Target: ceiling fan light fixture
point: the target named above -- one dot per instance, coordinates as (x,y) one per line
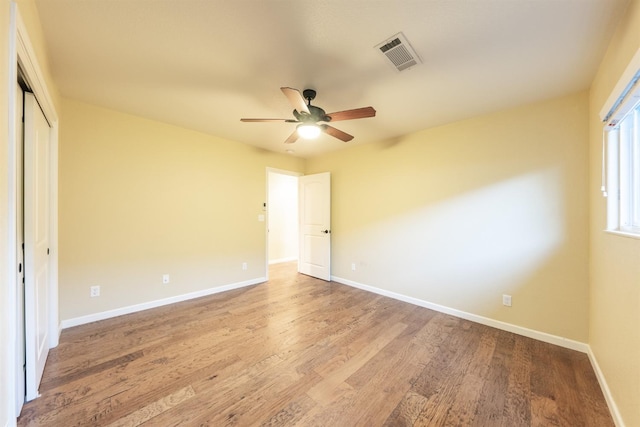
(308,131)
(309,117)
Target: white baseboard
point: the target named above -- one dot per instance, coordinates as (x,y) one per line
(68,323)
(281,260)
(613,408)
(540,336)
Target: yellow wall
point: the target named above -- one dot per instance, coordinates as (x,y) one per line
(139,199)
(615,261)
(31,19)
(6,370)
(460,214)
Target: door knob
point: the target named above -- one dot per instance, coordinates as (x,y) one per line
(326,231)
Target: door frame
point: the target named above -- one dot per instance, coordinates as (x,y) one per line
(266,211)
(20,350)
(22,53)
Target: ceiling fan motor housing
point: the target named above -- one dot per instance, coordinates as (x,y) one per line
(316,114)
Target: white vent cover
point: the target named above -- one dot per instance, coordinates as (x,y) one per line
(399,52)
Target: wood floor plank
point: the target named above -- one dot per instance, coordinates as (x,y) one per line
(452,365)
(386,383)
(134,379)
(463,407)
(291,413)
(323,392)
(305,352)
(153,409)
(407,411)
(491,402)
(517,400)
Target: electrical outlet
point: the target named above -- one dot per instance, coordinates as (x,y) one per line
(95,291)
(244,265)
(506,300)
(353,266)
(165,278)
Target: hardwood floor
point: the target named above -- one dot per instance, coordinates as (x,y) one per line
(300,351)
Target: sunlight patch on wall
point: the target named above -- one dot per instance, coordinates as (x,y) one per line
(490,239)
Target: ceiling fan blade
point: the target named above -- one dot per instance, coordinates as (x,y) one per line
(296,99)
(268,120)
(292,138)
(357,113)
(337,133)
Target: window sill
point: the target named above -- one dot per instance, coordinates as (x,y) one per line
(628,234)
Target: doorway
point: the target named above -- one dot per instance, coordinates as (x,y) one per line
(282,218)
(299,221)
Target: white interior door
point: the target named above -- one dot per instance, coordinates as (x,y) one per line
(20,361)
(314,196)
(36,235)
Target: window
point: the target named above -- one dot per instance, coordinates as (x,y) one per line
(621,181)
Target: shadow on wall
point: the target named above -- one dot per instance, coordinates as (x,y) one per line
(466,251)
(490,237)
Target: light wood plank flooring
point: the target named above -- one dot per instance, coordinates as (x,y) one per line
(300,351)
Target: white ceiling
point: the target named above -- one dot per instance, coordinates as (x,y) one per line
(204,64)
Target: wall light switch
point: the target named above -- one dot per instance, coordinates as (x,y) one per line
(506,300)
(165,278)
(261,218)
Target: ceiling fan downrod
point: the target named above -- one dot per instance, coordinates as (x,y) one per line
(309,95)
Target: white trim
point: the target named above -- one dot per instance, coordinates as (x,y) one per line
(76,321)
(623,234)
(613,205)
(623,81)
(54,319)
(613,408)
(283,171)
(281,260)
(537,335)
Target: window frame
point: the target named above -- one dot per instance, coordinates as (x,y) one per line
(620,115)
(623,173)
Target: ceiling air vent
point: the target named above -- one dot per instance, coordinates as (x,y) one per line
(398,50)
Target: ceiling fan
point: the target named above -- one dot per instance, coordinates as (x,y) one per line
(310,117)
